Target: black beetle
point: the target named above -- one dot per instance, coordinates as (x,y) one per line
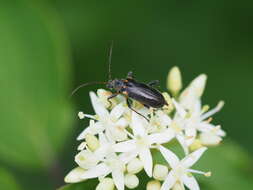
(143,93)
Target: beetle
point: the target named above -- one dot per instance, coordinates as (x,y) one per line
(146,94)
(141,92)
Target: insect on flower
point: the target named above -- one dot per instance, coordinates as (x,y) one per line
(146,94)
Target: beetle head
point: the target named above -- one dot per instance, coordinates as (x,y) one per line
(115,84)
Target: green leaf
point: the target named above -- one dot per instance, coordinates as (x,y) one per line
(7,181)
(34,76)
(230,165)
(89,184)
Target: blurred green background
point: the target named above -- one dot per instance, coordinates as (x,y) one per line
(49,47)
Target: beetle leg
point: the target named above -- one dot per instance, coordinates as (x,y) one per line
(110,97)
(130,107)
(153,83)
(130,75)
(147,106)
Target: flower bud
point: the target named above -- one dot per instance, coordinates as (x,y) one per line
(209,139)
(134,166)
(74,176)
(160,172)
(174,80)
(178,186)
(131,181)
(92,142)
(86,159)
(105,184)
(153,185)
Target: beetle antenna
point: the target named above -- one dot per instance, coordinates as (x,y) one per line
(85,84)
(110,61)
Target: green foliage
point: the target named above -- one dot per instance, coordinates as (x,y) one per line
(230,166)
(34,74)
(89,184)
(7,181)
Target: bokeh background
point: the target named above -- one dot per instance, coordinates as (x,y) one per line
(49,47)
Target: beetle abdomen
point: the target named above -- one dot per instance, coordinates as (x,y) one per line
(145,94)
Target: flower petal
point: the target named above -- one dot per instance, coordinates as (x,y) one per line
(168,182)
(190,182)
(160,138)
(83,133)
(189,101)
(169,156)
(209,139)
(192,158)
(98,107)
(102,138)
(128,156)
(122,122)
(118,179)
(138,125)
(207,127)
(183,143)
(96,171)
(125,146)
(190,132)
(117,111)
(180,110)
(94,128)
(146,158)
(74,175)
(164,119)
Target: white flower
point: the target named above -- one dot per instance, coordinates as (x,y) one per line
(134,166)
(74,175)
(92,142)
(174,81)
(159,121)
(111,122)
(131,181)
(160,172)
(118,141)
(86,159)
(212,137)
(82,146)
(153,185)
(193,92)
(110,163)
(195,120)
(176,126)
(105,184)
(180,170)
(142,142)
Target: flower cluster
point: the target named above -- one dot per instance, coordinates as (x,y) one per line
(117,144)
